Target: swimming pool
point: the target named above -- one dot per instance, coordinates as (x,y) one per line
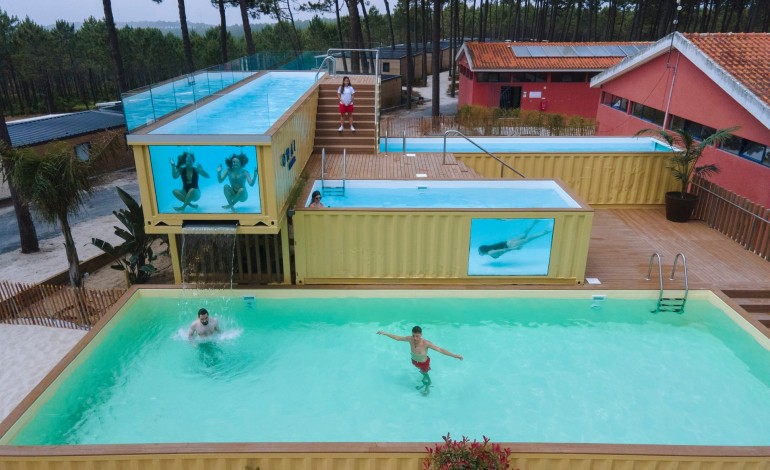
(526,144)
(306,366)
(383,194)
(145,107)
(250,109)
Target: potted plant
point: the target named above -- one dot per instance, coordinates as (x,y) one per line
(686,151)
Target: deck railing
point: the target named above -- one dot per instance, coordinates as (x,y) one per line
(742,220)
(55,306)
(436,126)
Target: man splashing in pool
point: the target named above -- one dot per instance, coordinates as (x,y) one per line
(420,359)
(203,326)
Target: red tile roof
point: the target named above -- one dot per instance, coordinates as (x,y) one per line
(500,56)
(745,56)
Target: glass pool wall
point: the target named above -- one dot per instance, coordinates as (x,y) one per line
(148,104)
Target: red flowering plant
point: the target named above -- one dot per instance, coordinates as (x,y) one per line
(466,455)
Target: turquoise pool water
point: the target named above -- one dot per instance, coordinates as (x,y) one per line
(306,366)
(527,144)
(146,106)
(250,109)
(427,194)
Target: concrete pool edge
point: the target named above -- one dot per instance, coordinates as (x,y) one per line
(366,455)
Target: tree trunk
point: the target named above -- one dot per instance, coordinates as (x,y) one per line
(339,33)
(390,26)
(223,30)
(424,25)
(409,58)
(186,38)
(371,65)
(112,37)
(76,279)
(473,22)
(355,34)
(27,232)
(250,50)
(435,105)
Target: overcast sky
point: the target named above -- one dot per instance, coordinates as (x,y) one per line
(46,12)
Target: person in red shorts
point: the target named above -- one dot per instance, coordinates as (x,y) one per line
(420,359)
(345,94)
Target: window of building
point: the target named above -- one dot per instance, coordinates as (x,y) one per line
(482,77)
(529,77)
(568,77)
(698,131)
(747,149)
(83,151)
(386,66)
(614,101)
(653,115)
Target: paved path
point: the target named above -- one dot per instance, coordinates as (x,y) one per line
(102,202)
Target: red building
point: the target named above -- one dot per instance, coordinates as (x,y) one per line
(552,77)
(699,82)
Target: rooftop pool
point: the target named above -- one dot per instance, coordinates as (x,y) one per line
(308,366)
(427,194)
(526,144)
(249,109)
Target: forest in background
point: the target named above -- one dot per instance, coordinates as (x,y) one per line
(63,68)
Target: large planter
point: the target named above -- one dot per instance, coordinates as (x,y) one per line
(678,208)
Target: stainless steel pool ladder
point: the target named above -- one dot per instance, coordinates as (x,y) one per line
(669,304)
(333,190)
(502,163)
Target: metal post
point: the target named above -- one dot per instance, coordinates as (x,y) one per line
(386,141)
(403,144)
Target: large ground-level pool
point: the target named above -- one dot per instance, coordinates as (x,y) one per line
(300,379)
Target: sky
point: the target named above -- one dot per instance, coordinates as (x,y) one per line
(46,12)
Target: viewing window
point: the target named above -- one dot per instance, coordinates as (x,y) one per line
(530,77)
(614,101)
(648,114)
(747,149)
(568,77)
(699,131)
(386,66)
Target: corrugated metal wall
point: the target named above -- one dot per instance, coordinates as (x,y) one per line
(633,178)
(350,246)
(371,461)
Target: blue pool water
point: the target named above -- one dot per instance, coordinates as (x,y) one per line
(527,144)
(147,106)
(426,194)
(250,109)
(303,366)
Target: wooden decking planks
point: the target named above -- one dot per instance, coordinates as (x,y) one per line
(622,241)
(390,166)
(354,79)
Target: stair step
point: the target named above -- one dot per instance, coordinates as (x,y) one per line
(747,293)
(756,308)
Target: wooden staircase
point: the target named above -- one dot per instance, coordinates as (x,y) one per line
(755,302)
(328,118)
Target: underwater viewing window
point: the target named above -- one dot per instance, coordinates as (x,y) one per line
(206,179)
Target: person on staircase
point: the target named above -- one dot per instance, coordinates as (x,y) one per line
(345,94)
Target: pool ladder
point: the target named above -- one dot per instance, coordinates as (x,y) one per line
(333,190)
(669,304)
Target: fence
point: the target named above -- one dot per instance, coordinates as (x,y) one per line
(735,216)
(57,306)
(430,125)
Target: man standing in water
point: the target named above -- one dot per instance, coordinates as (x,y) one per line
(419,348)
(203,326)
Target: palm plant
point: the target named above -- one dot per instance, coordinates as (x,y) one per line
(684,161)
(135,255)
(56,185)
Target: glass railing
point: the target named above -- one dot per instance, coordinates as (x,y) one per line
(146,105)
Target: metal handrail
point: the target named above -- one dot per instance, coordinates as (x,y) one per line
(323,166)
(684,267)
(403,144)
(344,168)
(386,141)
(376,57)
(455,131)
(756,216)
(331,69)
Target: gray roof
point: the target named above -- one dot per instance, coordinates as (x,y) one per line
(62,126)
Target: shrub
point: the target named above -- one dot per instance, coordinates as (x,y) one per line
(466,455)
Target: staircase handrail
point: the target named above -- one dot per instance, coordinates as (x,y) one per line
(331,69)
(455,131)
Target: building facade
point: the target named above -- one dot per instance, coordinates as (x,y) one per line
(550,77)
(699,82)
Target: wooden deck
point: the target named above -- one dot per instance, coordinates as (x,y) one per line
(622,239)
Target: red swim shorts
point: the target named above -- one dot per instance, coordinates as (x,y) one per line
(346,108)
(423,366)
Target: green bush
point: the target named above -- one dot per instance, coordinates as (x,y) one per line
(467,455)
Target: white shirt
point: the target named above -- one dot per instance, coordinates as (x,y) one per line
(346,95)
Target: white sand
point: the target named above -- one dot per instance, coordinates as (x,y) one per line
(29,353)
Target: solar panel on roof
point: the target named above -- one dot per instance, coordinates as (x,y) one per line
(613,51)
(582,51)
(566,51)
(537,51)
(521,51)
